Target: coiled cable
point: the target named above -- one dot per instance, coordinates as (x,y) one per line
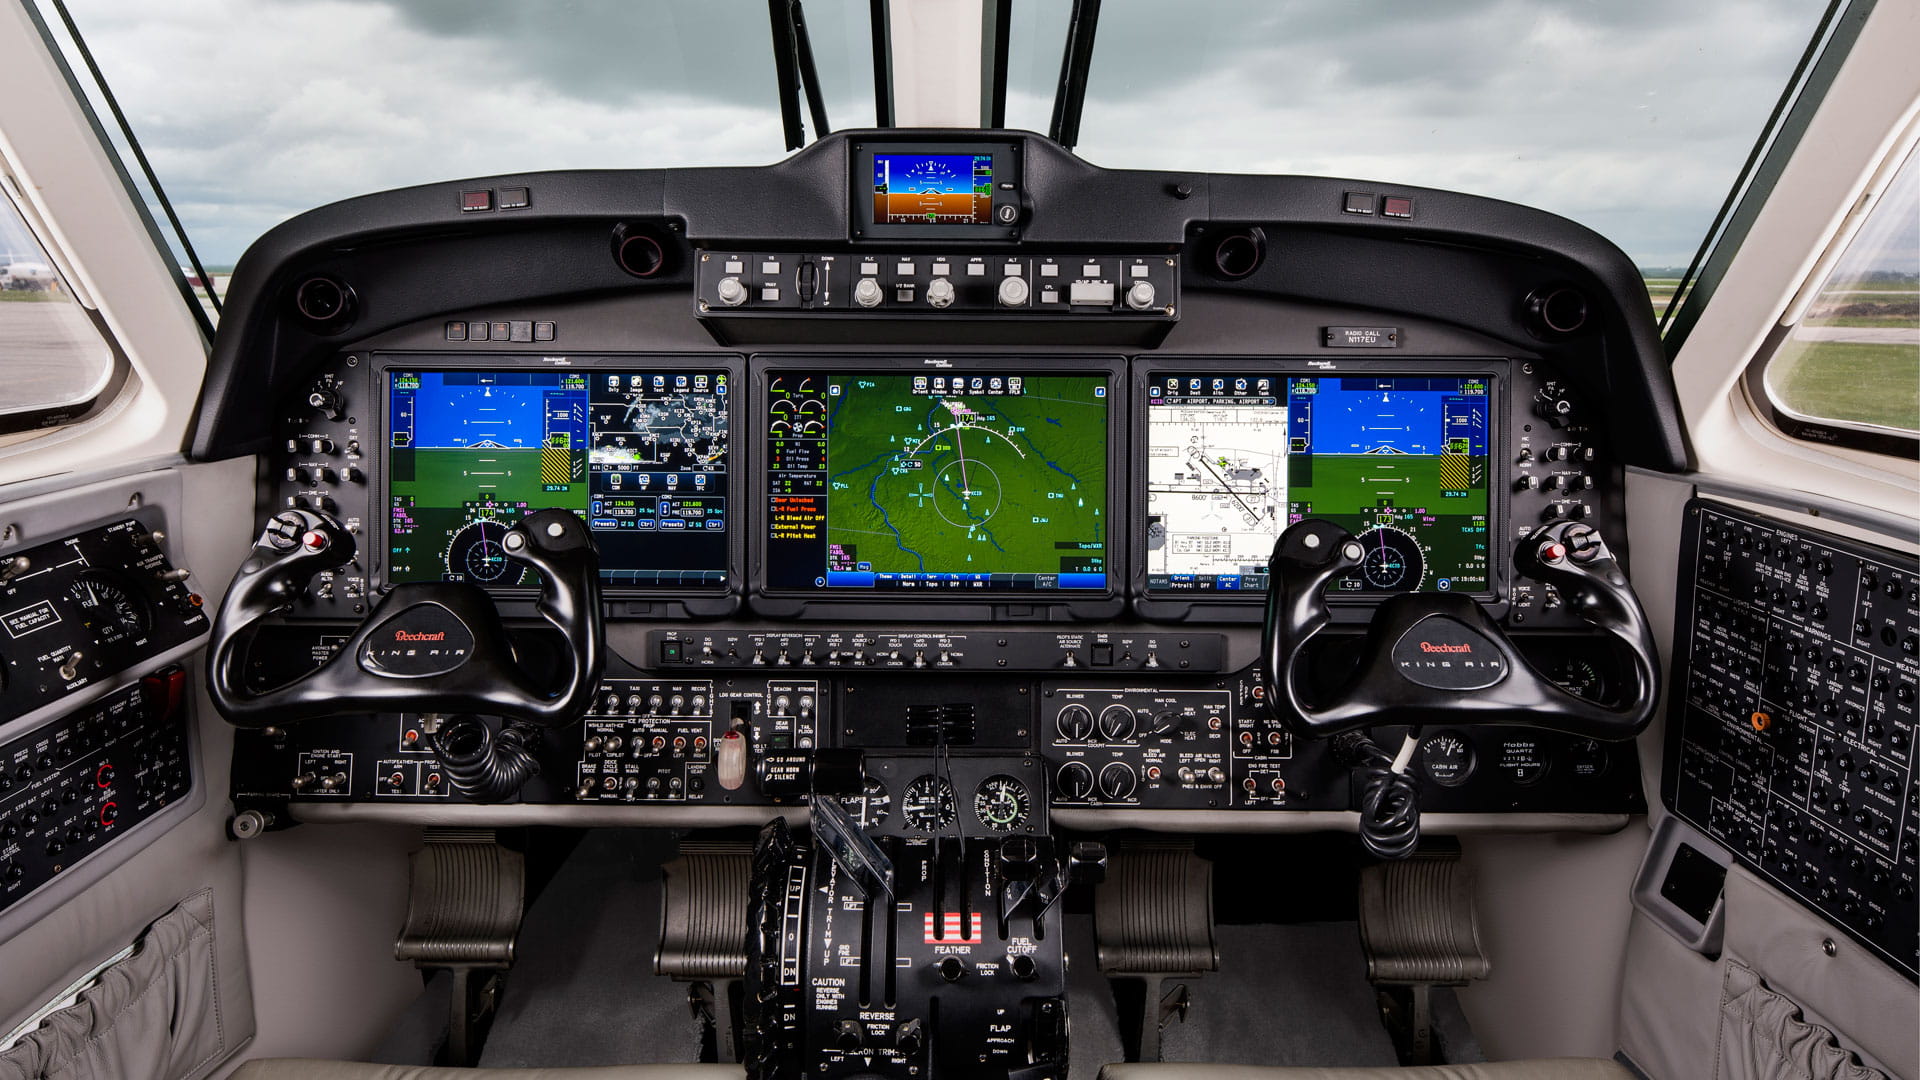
(1389,795)
(482,766)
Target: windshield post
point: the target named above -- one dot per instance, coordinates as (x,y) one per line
(1071,99)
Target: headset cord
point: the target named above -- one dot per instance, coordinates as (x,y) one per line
(1389,794)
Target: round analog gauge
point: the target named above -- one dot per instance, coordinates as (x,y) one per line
(1393,562)
(109,609)
(1586,758)
(1448,759)
(478,554)
(1576,677)
(927,804)
(1002,803)
(871,807)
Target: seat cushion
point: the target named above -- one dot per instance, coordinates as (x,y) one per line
(307,1069)
(1541,1069)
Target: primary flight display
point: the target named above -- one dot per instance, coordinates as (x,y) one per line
(932,189)
(640,456)
(952,481)
(1400,461)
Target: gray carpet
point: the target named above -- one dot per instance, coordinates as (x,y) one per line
(1093,1032)
(1284,995)
(583,991)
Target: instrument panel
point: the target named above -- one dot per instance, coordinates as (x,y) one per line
(986,432)
(828,487)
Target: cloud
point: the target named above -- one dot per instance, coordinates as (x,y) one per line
(1630,116)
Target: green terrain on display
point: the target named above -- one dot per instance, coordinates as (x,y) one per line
(975,483)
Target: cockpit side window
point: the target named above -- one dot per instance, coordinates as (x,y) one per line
(54,362)
(1845,370)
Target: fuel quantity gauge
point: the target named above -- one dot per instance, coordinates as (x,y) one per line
(110,609)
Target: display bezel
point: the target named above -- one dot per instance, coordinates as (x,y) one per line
(959,605)
(1006,191)
(1230,606)
(720,599)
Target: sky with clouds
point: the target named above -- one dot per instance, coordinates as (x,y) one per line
(1630,116)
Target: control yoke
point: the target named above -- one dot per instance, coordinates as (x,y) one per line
(1440,652)
(426,646)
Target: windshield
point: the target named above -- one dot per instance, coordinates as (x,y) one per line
(1632,117)
(252,111)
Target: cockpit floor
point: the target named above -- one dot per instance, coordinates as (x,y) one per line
(583,992)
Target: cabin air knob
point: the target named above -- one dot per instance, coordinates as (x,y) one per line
(731,292)
(940,292)
(866,292)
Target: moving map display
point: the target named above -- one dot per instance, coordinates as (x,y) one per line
(932,189)
(640,456)
(951,481)
(1399,461)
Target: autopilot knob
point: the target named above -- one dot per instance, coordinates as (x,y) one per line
(1014,292)
(1140,295)
(940,292)
(730,291)
(867,292)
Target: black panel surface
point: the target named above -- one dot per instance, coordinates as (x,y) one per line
(70,787)
(86,608)
(1790,729)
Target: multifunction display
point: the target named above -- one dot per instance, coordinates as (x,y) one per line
(932,189)
(1401,461)
(962,480)
(641,456)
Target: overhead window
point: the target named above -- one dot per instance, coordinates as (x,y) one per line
(1848,371)
(54,364)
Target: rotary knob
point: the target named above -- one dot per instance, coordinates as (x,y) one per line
(867,292)
(1014,292)
(730,292)
(1075,780)
(1140,295)
(940,292)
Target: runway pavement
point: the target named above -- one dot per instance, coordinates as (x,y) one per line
(50,353)
(1860,335)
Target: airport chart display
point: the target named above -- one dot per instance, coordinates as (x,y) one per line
(988,481)
(932,189)
(1400,461)
(640,456)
